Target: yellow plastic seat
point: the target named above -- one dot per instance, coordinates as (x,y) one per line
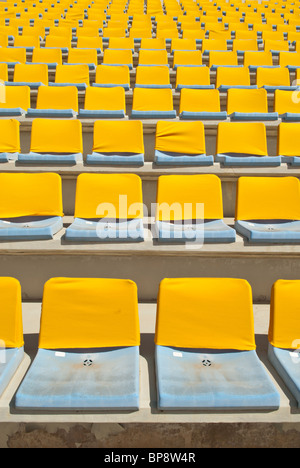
(51,57)
(167,33)
(288,142)
(291,60)
(88,31)
(107,76)
(214,44)
(183,44)
(243,143)
(181,143)
(153,43)
(200,104)
(253,59)
(276,45)
(9,139)
(3,72)
(118,57)
(153,57)
(152,77)
(32,75)
(60,102)
(111,31)
(121,43)
(29,42)
(187,58)
(241,45)
(76,75)
(60,31)
(249,104)
(287,104)
(197,34)
(83,56)
(193,77)
(11,55)
(3,39)
(14,100)
(273,78)
(241,34)
(104,103)
(150,103)
(228,77)
(141,33)
(128,149)
(87,42)
(61,42)
(219,58)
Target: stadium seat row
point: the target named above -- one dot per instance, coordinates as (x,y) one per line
(205,353)
(188,208)
(60,141)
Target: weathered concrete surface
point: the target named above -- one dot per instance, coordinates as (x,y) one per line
(162,436)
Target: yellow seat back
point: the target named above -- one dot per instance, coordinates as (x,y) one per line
(247,100)
(56,136)
(147,99)
(72,74)
(242,138)
(11,326)
(199,100)
(105,74)
(14,97)
(10,136)
(180,137)
(288,141)
(50,97)
(105,98)
(31,73)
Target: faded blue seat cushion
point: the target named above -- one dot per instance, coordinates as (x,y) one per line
(30,228)
(273,231)
(290,117)
(208,231)
(10,360)
(230,159)
(50,158)
(187,115)
(168,158)
(120,159)
(106,379)
(135,114)
(291,160)
(105,230)
(12,112)
(59,113)
(6,157)
(254,116)
(287,364)
(194,379)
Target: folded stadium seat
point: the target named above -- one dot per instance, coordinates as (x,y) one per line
(88,31)
(109,32)
(92,360)
(249,105)
(291,60)
(276,46)
(152,77)
(118,57)
(149,57)
(72,75)
(60,42)
(121,43)
(167,33)
(150,103)
(241,34)
(140,33)
(104,103)
(287,105)
(30,206)
(198,104)
(60,102)
(14,100)
(189,208)
(183,44)
(11,55)
(267,209)
(29,42)
(128,149)
(274,78)
(222,58)
(83,56)
(229,77)
(108,208)
(107,76)
(197,34)
(32,75)
(205,350)
(254,59)
(90,43)
(241,45)
(51,57)
(9,139)
(193,77)
(243,144)
(283,346)
(288,143)
(187,58)
(181,143)
(213,44)
(11,337)
(153,43)
(54,141)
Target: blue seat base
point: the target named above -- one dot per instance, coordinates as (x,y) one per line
(271,231)
(9,365)
(254,116)
(183,86)
(208,231)
(86,230)
(112,85)
(287,364)
(31,229)
(101,114)
(106,379)
(79,86)
(135,114)
(205,380)
(291,160)
(248,160)
(126,159)
(6,157)
(186,115)
(290,117)
(163,158)
(12,112)
(41,158)
(61,113)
